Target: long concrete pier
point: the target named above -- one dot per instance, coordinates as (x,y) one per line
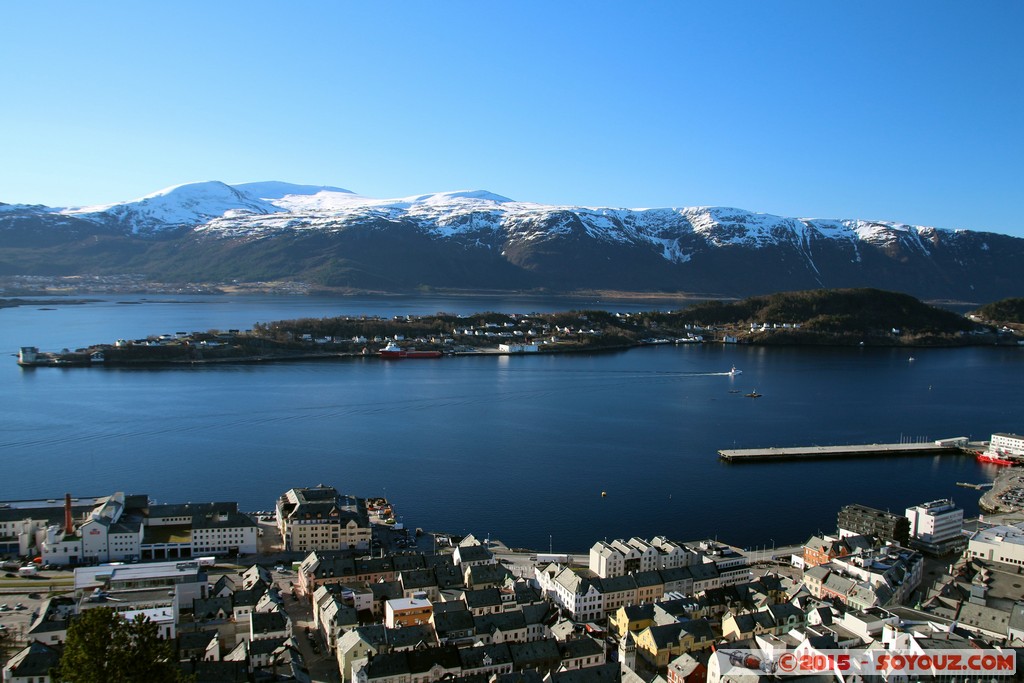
(851,451)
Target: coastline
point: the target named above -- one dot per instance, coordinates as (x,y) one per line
(55,360)
(839,318)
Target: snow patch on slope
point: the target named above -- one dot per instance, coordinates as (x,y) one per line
(180,205)
(275,189)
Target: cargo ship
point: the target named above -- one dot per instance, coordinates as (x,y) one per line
(393,350)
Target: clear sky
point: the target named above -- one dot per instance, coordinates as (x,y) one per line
(907,111)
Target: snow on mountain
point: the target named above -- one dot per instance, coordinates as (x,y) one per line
(274,189)
(475,238)
(262,209)
(25,208)
(180,205)
(451,215)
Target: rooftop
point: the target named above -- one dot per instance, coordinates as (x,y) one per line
(90,577)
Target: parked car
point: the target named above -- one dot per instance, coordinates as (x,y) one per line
(34,596)
(19,606)
(4,607)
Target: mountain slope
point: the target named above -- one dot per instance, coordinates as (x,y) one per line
(182,205)
(477,239)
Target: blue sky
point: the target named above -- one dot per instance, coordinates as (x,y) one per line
(907,111)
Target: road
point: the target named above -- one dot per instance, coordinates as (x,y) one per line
(322,665)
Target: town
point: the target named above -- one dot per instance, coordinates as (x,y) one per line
(752,321)
(327,586)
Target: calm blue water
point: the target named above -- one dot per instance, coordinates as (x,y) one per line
(520,448)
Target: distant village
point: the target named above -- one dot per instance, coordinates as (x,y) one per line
(329,586)
(444,334)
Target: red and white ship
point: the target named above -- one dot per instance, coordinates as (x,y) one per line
(994,458)
(394,351)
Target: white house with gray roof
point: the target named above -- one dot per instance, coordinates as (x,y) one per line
(578,596)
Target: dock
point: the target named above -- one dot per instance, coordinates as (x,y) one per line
(851,451)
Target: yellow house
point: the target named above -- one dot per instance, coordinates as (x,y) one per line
(633,618)
(772,620)
(650,587)
(661,644)
(742,626)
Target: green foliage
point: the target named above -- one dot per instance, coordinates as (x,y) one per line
(863,311)
(102,646)
(1005,311)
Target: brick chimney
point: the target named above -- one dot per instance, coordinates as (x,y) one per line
(68,526)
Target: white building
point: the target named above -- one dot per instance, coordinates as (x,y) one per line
(31,664)
(650,556)
(619,557)
(673,554)
(998,544)
(609,559)
(24,524)
(518,348)
(579,596)
(174,583)
(126,528)
(936,527)
(1007,444)
(732,567)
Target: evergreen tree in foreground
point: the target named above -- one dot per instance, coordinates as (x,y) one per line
(102,646)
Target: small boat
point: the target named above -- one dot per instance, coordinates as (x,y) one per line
(734,372)
(393,350)
(911,359)
(753,394)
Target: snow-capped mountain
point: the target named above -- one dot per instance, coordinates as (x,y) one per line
(178,206)
(477,239)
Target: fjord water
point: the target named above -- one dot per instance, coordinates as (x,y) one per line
(520,448)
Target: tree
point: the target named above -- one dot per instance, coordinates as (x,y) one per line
(102,646)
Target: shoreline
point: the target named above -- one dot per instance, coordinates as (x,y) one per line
(277,288)
(52,361)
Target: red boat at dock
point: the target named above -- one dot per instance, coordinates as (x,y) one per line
(993,459)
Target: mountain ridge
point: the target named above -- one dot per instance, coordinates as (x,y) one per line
(332,237)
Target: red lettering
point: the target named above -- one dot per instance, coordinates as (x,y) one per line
(946,663)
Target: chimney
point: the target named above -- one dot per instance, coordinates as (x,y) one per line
(68,527)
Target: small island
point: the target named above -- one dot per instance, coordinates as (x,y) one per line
(14,303)
(852,317)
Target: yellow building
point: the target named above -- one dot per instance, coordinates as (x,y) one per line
(633,618)
(321,519)
(661,644)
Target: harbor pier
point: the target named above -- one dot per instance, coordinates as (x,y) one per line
(850,451)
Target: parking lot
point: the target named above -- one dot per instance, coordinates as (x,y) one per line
(18,607)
